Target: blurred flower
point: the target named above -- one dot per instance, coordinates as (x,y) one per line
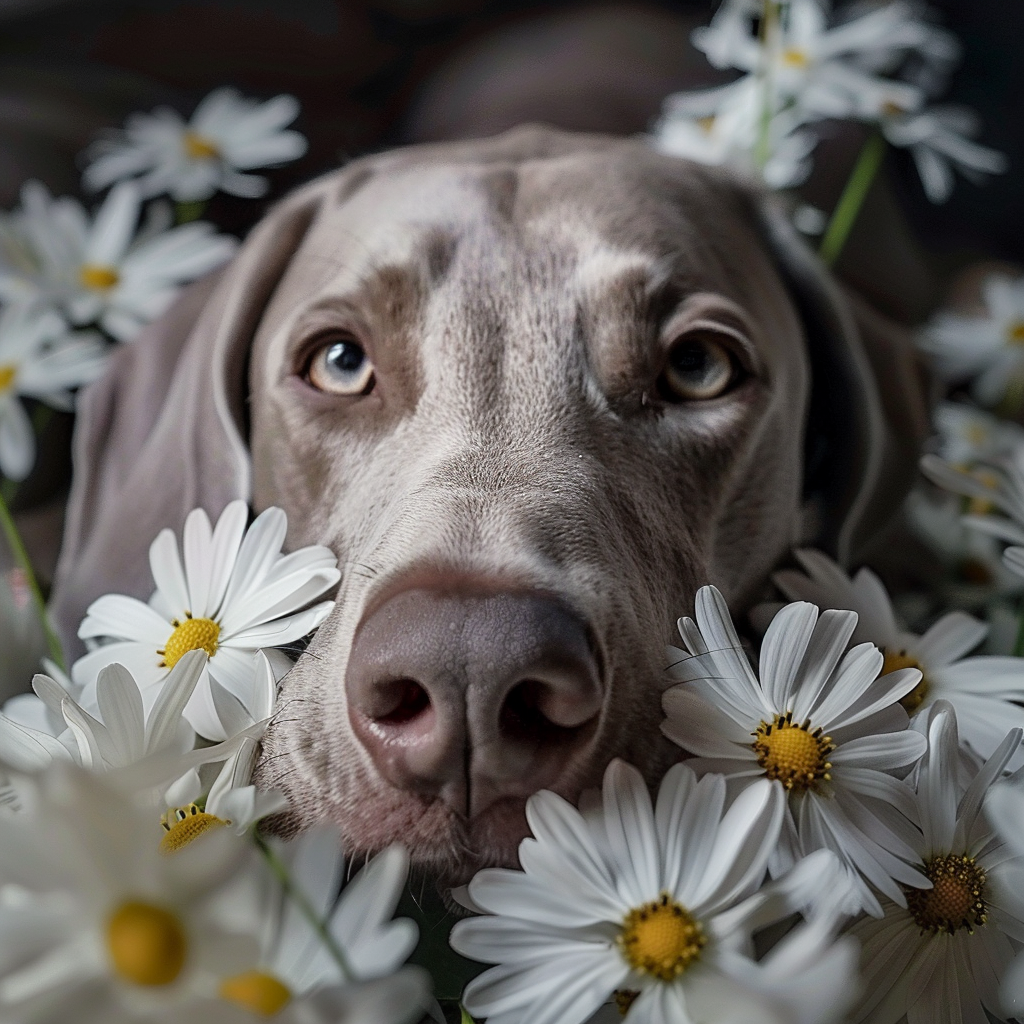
(95,271)
(973,560)
(940,141)
(39,358)
(827,729)
(987,350)
(109,929)
(724,126)
(983,690)
(191,161)
(1004,809)
(159,747)
(939,956)
(235,594)
(306,973)
(655,905)
(965,435)
(999,487)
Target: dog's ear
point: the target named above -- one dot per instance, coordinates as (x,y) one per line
(164,431)
(869,410)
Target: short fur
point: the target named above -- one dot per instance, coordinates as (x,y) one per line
(517,296)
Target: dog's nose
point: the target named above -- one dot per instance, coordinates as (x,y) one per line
(473,697)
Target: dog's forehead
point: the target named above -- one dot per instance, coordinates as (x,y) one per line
(585,219)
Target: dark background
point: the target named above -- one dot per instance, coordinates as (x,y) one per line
(376,73)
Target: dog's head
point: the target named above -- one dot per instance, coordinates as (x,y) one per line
(534,391)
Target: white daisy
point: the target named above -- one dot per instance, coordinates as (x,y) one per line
(227,134)
(1005,811)
(987,349)
(824,726)
(95,269)
(938,956)
(940,139)
(976,572)
(655,905)
(39,358)
(996,485)
(231,800)
(966,435)
(109,929)
(983,689)
(725,126)
(235,594)
(148,753)
(360,940)
(815,68)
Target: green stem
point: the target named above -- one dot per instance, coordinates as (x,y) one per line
(1018,646)
(185,213)
(298,897)
(466,1019)
(768,34)
(850,202)
(22,560)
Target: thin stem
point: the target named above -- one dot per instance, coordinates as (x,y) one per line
(1018,645)
(298,897)
(768,40)
(185,213)
(466,1019)
(850,202)
(22,560)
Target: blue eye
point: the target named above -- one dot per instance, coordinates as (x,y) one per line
(341,368)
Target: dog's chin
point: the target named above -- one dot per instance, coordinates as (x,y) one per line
(442,843)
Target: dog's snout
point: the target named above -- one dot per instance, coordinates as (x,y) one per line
(473,697)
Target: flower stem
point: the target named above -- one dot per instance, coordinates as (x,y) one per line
(466,1019)
(850,202)
(1018,644)
(24,563)
(768,39)
(298,897)
(185,213)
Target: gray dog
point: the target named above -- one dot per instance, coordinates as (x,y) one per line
(534,391)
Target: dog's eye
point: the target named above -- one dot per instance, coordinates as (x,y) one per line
(698,368)
(340,367)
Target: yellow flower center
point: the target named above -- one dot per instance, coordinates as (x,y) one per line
(957,898)
(706,124)
(147,944)
(795,58)
(1015,333)
(261,994)
(198,147)
(98,276)
(182,825)
(8,371)
(190,635)
(661,938)
(793,753)
(894,661)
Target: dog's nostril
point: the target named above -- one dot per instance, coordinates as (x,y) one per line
(537,710)
(532,711)
(400,702)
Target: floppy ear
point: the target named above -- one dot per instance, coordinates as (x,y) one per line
(164,430)
(869,410)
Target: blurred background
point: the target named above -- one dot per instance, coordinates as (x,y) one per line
(376,73)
